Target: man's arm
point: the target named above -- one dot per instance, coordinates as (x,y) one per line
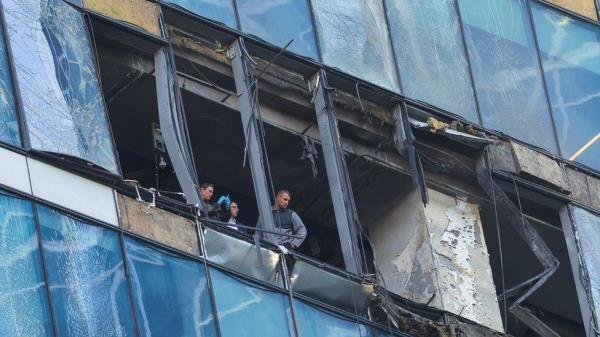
(299,230)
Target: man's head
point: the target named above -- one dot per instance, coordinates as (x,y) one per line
(283,199)
(206,191)
(234,209)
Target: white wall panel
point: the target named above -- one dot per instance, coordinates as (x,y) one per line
(72,192)
(13,171)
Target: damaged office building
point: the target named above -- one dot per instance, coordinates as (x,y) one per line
(443,155)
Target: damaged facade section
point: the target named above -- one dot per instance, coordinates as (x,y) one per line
(437,255)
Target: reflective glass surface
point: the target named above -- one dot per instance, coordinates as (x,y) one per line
(54,63)
(313,322)
(217,10)
(86,277)
(171,294)
(9,125)
(245,310)
(279,21)
(570,51)
(506,70)
(588,228)
(431,56)
(354,38)
(23,301)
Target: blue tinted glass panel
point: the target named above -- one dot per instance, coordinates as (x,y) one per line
(23,303)
(313,322)
(86,277)
(217,10)
(431,56)
(278,22)
(354,38)
(171,294)
(247,311)
(9,125)
(55,69)
(570,52)
(506,70)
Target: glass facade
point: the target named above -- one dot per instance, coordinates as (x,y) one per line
(313,322)
(246,310)
(430,54)
(55,68)
(506,71)
(217,10)
(86,277)
(23,299)
(278,22)
(170,293)
(9,124)
(354,37)
(570,51)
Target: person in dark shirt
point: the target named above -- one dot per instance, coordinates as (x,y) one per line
(286,221)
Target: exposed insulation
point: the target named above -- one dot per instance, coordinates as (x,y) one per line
(140,13)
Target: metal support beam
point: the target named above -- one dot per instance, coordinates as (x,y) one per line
(246,90)
(173,125)
(337,174)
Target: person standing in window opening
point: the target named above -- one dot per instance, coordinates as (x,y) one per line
(212,210)
(231,217)
(286,221)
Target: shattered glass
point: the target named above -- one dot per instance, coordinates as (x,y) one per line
(354,37)
(54,63)
(588,233)
(313,322)
(217,10)
(278,22)
(23,303)
(246,310)
(506,70)
(570,51)
(86,277)
(9,124)
(170,293)
(430,55)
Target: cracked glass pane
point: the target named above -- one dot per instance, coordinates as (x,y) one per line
(278,22)
(506,70)
(55,69)
(247,310)
(9,124)
(570,51)
(23,301)
(354,38)
(86,277)
(217,10)
(315,322)
(170,293)
(431,56)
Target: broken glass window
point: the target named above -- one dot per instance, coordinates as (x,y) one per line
(23,303)
(430,55)
(55,69)
(354,37)
(314,322)
(278,22)
(506,70)
(9,124)
(217,10)
(570,51)
(245,310)
(171,293)
(86,277)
